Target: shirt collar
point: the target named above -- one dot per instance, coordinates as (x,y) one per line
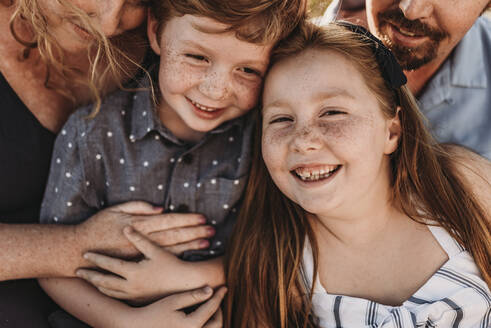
(467,64)
(145,119)
(463,68)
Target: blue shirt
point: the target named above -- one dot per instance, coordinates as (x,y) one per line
(126,153)
(457,99)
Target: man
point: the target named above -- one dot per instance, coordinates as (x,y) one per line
(445,49)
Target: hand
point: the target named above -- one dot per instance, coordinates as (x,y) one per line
(166,312)
(159,273)
(103,231)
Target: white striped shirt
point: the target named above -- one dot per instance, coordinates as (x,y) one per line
(455,296)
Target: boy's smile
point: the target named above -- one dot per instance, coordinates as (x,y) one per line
(206,76)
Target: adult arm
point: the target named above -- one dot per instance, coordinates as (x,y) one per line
(49,250)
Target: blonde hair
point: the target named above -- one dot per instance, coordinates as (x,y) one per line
(264,278)
(103,51)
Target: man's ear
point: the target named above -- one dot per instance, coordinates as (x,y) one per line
(152,26)
(393,133)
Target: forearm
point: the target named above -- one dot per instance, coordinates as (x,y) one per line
(86,303)
(35,250)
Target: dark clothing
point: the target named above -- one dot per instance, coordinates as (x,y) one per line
(25,148)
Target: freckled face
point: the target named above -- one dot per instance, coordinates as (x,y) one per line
(205,78)
(325,139)
(110,17)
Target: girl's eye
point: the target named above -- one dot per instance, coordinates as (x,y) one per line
(331,112)
(280,120)
(196,57)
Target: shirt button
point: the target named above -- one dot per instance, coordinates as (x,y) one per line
(187,159)
(182,209)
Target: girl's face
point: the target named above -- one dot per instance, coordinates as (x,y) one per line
(110,17)
(325,140)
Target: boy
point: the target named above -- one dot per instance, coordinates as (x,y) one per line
(189,151)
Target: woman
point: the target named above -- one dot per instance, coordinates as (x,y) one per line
(54,60)
(356,217)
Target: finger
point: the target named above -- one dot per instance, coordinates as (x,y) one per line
(216,320)
(138,207)
(111,264)
(182,235)
(192,245)
(113,293)
(202,314)
(168,221)
(102,280)
(141,242)
(189,298)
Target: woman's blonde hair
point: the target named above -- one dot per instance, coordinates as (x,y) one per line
(263,264)
(106,58)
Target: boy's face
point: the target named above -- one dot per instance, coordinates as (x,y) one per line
(206,76)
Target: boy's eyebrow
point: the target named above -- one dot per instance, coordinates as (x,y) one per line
(263,63)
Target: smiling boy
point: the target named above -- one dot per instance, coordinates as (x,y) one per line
(188,151)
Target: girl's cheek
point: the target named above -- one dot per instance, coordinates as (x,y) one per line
(276,136)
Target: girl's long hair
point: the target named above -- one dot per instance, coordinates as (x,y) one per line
(264,263)
(107,60)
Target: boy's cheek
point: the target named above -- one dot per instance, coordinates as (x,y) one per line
(248,93)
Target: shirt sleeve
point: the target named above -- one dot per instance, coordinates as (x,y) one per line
(69,196)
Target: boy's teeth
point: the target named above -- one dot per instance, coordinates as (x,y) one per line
(206,109)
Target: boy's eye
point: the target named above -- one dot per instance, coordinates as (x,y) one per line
(249,70)
(280,119)
(196,57)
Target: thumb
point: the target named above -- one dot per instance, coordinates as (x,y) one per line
(189,298)
(141,242)
(138,207)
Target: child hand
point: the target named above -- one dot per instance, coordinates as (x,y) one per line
(166,312)
(159,273)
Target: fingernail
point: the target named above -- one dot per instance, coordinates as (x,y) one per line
(202,220)
(158,208)
(128,230)
(86,256)
(210,231)
(207,290)
(204,244)
(78,273)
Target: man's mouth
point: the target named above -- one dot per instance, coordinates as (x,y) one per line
(317,173)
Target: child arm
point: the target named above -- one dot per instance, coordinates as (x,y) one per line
(87,304)
(166,273)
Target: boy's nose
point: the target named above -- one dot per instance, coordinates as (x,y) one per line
(216,86)
(416,9)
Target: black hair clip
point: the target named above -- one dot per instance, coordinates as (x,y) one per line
(391,70)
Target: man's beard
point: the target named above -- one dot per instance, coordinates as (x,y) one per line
(409,58)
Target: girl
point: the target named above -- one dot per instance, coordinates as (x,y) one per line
(362,219)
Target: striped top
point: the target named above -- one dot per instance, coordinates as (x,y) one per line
(455,296)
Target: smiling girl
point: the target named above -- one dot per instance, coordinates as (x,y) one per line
(371,225)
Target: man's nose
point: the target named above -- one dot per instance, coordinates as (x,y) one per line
(416,9)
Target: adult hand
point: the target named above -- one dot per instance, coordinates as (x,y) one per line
(103,231)
(159,273)
(167,312)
